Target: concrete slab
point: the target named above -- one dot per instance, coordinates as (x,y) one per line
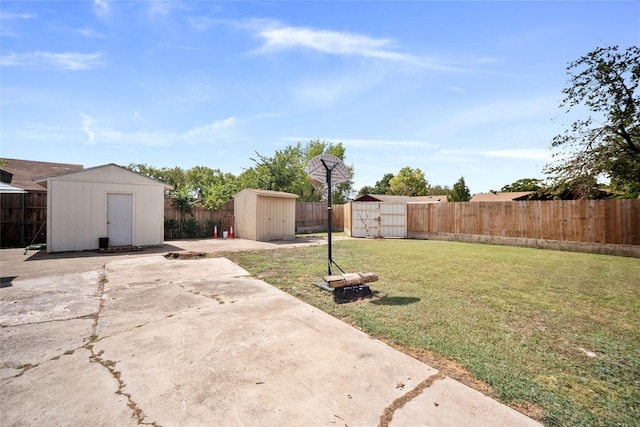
(71,390)
(199,342)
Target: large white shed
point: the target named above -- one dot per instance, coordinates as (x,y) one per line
(265,215)
(104,201)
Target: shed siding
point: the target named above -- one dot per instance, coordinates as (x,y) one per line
(78,210)
(245,215)
(275,218)
(265,215)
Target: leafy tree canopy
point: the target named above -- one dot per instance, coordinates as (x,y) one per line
(460,192)
(286,171)
(408,182)
(523,184)
(607,143)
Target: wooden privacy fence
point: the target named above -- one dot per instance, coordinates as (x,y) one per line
(199,223)
(311,217)
(21,217)
(604,222)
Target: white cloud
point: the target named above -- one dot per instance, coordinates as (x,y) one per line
(5,15)
(88,32)
(160,7)
(209,133)
(102,8)
(520,153)
(279,37)
(63,60)
(87,124)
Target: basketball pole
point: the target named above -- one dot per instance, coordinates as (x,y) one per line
(329,226)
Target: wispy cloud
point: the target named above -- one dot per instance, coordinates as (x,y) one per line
(523,153)
(5,15)
(88,32)
(6,18)
(87,124)
(102,8)
(62,60)
(279,37)
(209,133)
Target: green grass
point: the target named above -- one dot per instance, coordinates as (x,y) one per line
(554,334)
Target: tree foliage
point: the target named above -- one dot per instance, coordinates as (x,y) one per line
(523,184)
(286,171)
(460,192)
(408,182)
(607,143)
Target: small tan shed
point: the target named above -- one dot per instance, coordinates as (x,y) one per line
(265,215)
(105,201)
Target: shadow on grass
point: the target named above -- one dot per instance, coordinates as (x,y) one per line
(387,300)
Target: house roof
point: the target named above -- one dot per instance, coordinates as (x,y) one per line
(501,197)
(24,171)
(269,193)
(401,199)
(43,179)
(8,188)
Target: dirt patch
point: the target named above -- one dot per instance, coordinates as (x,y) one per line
(186,255)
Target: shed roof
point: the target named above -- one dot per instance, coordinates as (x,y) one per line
(268,193)
(401,199)
(43,179)
(24,171)
(501,197)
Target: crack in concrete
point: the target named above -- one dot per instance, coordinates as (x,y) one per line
(387,415)
(110,365)
(214,297)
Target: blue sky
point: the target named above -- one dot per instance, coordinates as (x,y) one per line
(454,88)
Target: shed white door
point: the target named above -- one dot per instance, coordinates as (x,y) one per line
(119,219)
(365,217)
(375,219)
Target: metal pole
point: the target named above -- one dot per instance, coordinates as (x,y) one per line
(329,215)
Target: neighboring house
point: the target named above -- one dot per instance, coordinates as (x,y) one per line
(109,201)
(401,199)
(23,203)
(24,171)
(502,197)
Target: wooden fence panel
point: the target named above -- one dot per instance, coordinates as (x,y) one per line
(21,219)
(588,221)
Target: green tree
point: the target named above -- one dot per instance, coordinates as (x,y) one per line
(367,189)
(383,186)
(524,184)
(605,81)
(408,182)
(286,171)
(460,192)
(438,190)
(173,176)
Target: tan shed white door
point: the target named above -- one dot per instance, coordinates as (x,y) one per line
(375,219)
(120,219)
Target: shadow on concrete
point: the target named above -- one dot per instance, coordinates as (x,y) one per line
(5,281)
(386,300)
(42,254)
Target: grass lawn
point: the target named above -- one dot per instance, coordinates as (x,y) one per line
(553,334)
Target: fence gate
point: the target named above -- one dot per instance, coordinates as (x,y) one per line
(376,219)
